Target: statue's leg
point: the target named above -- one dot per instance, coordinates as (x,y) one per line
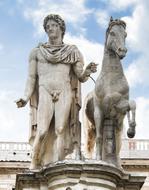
(98,120)
(62,111)
(131,119)
(44,117)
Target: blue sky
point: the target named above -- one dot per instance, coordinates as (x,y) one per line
(86,22)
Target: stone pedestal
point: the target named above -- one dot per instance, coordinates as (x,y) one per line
(78,175)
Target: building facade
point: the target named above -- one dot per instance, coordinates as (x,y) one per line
(14,158)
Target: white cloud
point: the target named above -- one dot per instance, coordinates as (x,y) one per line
(134,28)
(14,122)
(137,40)
(92,51)
(137,72)
(102,17)
(73,12)
(119,5)
(142,117)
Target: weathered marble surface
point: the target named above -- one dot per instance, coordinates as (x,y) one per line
(79,175)
(53,89)
(108,104)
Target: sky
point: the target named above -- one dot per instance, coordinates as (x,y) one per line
(86,22)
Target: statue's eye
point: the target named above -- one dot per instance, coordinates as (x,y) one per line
(112,33)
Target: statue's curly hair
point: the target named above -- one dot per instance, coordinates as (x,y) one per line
(57,19)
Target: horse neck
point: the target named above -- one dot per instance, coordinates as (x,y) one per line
(111,59)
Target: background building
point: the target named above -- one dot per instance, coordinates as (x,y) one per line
(15,158)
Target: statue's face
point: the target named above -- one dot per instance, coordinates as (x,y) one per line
(53,29)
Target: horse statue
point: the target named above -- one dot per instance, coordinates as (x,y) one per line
(108,104)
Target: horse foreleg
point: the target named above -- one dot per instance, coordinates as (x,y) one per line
(98,120)
(131,120)
(118,139)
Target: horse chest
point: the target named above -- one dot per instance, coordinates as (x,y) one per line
(111,82)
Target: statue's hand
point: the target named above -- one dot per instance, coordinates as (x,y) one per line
(21,102)
(91,68)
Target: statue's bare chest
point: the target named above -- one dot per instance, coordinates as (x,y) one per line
(53,75)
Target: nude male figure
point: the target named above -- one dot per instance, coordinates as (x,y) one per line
(50,67)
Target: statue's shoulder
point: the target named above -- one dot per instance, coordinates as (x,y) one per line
(72,46)
(76,50)
(34,51)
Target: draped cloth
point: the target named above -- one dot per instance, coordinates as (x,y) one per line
(65,54)
(62,54)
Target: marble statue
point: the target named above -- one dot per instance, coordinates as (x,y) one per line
(108,104)
(53,89)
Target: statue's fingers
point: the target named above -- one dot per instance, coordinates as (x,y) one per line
(94,64)
(19,104)
(93,68)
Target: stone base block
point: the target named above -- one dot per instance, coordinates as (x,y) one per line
(78,175)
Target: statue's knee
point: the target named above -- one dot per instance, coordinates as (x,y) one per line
(59,130)
(42,134)
(97,114)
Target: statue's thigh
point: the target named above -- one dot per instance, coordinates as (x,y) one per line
(62,108)
(45,109)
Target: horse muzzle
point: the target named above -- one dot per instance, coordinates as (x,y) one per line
(121,52)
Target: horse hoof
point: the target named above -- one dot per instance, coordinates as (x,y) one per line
(131,132)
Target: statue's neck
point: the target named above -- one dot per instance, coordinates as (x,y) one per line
(55,41)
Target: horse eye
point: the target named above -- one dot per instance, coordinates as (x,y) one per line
(112,33)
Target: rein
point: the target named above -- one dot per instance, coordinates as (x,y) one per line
(92,79)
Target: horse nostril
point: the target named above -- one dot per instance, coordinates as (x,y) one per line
(119,49)
(125,49)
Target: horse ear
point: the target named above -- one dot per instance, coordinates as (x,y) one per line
(111,19)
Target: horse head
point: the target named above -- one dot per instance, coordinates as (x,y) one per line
(115,37)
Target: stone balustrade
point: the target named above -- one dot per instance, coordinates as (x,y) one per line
(20,151)
(14,151)
(135,148)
